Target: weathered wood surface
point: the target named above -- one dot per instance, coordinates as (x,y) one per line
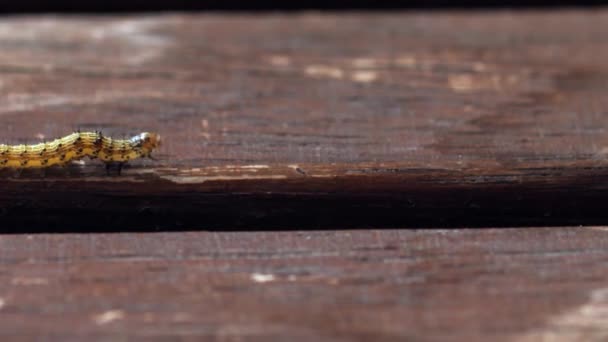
(443,119)
(310,121)
(519,284)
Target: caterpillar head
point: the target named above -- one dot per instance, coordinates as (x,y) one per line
(147,142)
(150,141)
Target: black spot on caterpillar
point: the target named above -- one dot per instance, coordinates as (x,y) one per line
(76,146)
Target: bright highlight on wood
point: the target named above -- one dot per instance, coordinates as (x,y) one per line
(77,146)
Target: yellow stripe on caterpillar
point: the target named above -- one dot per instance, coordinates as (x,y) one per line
(77,146)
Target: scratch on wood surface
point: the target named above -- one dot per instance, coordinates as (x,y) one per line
(89,179)
(108,317)
(29,281)
(364,76)
(365,63)
(203,179)
(585,323)
(324,71)
(262,277)
(279,60)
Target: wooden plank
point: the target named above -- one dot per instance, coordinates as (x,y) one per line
(474,285)
(435,119)
(310,121)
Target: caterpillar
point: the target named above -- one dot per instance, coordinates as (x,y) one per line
(76,146)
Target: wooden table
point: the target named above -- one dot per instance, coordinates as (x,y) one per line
(319,179)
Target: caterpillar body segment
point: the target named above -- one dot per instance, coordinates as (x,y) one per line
(76,146)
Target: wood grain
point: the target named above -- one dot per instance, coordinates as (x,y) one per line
(444,120)
(524,284)
(310,125)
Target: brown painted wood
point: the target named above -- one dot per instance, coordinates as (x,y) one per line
(404,120)
(493,284)
(444,119)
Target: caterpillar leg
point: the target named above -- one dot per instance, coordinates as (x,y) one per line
(118,166)
(17,172)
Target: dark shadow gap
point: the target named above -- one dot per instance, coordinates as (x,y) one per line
(466,209)
(85,200)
